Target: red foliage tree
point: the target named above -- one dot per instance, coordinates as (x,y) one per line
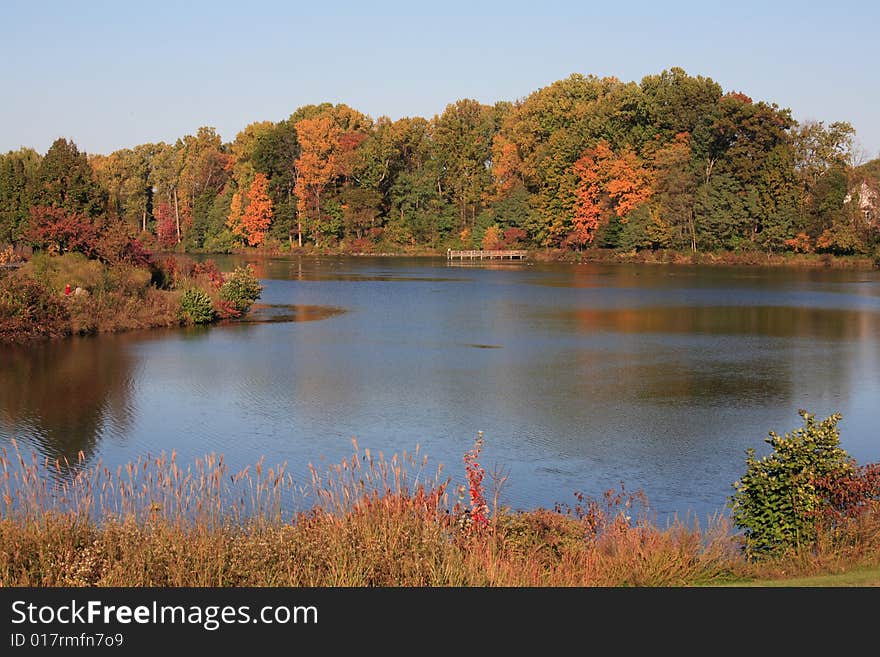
(166,226)
(59,231)
(514,236)
(116,245)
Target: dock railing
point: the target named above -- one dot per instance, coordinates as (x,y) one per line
(480,254)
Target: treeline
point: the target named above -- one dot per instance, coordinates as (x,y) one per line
(586,162)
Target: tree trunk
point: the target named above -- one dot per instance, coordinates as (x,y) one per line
(693,228)
(176,215)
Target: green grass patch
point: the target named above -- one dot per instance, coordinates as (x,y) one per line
(856,577)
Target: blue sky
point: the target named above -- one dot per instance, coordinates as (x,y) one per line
(115,74)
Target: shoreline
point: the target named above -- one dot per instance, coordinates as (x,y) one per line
(663,257)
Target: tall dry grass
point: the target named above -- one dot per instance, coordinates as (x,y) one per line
(366,521)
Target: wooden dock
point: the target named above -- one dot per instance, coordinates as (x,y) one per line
(486,255)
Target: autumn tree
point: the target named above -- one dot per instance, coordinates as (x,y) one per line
(671,161)
(316,167)
(506,167)
(58,231)
(589,208)
(818,147)
(607,185)
(166,226)
(165,176)
(258,215)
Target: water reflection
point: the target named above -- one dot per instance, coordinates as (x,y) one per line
(62,396)
(772,321)
(261,313)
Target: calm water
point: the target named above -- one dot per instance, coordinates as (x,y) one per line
(580,376)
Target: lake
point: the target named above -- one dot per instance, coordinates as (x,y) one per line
(579,376)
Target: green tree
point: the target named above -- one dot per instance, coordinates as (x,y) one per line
(462,138)
(679,102)
(778,501)
(274,154)
(733,146)
(66,180)
(125,174)
(676,180)
(18,171)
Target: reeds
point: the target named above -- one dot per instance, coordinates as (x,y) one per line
(366,521)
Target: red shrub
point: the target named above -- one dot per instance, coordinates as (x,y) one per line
(848,495)
(207,270)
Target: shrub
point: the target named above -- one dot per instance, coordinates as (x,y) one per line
(128,281)
(74,269)
(196,306)
(241,289)
(29,310)
(207,271)
(782,496)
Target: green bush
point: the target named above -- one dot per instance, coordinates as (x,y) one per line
(781,498)
(241,289)
(196,306)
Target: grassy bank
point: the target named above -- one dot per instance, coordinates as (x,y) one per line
(368,521)
(52,296)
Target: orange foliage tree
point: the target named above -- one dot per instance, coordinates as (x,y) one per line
(588,203)
(607,184)
(316,166)
(506,166)
(258,214)
(493,239)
